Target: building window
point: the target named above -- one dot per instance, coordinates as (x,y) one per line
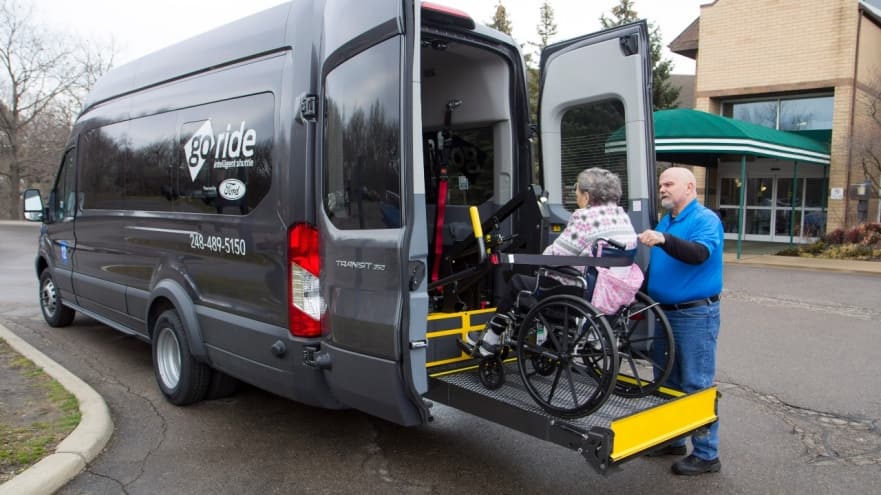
(784,113)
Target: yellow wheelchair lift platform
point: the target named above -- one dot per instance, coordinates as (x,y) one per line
(620,430)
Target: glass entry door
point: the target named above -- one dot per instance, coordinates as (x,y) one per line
(777,208)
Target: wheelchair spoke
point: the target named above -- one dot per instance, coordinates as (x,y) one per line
(572,386)
(554,385)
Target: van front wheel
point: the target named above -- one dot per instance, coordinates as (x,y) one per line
(55,313)
(182,379)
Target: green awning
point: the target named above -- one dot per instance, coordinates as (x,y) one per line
(692,132)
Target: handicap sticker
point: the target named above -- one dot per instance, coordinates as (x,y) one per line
(63,251)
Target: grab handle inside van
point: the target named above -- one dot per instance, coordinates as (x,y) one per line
(478,232)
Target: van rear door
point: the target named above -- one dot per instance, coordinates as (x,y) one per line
(371,221)
(595,110)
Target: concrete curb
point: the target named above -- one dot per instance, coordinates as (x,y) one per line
(800,263)
(83,444)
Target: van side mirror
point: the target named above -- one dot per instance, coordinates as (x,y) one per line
(33,205)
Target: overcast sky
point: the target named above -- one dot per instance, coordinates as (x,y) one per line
(138,28)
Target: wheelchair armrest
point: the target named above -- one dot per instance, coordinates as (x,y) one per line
(570,271)
(567,273)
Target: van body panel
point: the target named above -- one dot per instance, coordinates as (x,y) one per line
(367,197)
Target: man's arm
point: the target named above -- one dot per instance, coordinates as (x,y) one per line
(691,252)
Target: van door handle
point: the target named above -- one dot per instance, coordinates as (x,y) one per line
(417,273)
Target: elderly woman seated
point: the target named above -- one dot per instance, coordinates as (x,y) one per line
(598,216)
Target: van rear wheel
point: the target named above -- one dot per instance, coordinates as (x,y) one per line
(54,311)
(181,378)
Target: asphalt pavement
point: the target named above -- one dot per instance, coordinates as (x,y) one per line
(86,441)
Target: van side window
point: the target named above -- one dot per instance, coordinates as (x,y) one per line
(224,161)
(593,135)
(127,165)
(148,175)
(103,157)
(64,200)
(219,162)
(362,165)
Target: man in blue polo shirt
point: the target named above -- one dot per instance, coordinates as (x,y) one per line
(685,277)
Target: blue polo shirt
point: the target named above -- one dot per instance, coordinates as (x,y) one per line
(672,281)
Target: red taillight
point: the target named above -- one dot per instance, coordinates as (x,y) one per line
(441,14)
(305,305)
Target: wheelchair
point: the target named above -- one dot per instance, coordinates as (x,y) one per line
(571,357)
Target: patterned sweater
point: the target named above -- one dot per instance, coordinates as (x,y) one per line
(586,225)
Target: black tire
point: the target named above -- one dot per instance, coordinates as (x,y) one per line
(182,379)
(579,343)
(491,371)
(645,347)
(54,311)
(221,386)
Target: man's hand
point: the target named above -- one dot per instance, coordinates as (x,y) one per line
(651,238)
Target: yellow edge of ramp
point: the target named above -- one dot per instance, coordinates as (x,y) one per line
(644,430)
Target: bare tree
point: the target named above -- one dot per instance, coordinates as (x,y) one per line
(43,78)
(866,140)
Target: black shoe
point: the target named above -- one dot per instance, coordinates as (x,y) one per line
(668,450)
(692,465)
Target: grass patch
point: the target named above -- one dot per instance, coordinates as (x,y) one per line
(36,413)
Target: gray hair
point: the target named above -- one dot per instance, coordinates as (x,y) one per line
(602,185)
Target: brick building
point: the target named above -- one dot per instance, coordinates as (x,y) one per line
(808,67)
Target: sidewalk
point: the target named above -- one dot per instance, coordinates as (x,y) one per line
(80,447)
(763,254)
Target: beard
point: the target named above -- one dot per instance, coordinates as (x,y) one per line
(667,203)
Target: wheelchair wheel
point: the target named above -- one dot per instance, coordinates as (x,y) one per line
(645,347)
(543,364)
(491,371)
(566,356)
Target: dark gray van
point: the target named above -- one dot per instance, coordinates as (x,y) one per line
(261,202)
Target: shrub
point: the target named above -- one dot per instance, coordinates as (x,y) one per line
(853,235)
(790,251)
(815,248)
(870,234)
(835,237)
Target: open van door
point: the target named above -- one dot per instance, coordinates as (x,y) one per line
(595,110)
(371,219)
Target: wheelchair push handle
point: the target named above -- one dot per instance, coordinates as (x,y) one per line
(612,242)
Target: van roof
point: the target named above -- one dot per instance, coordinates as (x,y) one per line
(259,33)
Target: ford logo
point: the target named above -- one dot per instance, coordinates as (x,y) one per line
(231,189)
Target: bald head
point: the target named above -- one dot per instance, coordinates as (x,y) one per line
(677,188)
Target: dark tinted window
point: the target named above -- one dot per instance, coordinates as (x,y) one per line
(104,153)
(593,136)
(362,169)
(224,162)
(149,170)
(64,199)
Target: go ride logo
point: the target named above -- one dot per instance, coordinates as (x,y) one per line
(229,149)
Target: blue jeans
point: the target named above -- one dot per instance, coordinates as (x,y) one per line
(695,331)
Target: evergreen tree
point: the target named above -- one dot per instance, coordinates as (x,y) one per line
(500,21)
(546,27)
(664,94)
